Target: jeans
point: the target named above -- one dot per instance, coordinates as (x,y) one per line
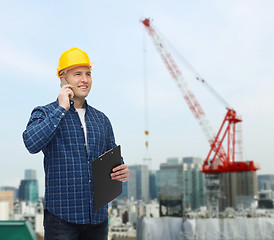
(59,229)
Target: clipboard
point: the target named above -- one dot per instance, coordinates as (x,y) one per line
(105,189)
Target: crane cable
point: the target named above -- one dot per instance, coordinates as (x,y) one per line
(198,77)
(147,157)
(194,72)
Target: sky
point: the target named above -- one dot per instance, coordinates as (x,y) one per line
(230,44)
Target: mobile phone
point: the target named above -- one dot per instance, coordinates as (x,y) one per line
(63,82)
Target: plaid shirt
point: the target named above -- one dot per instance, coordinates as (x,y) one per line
(67,158)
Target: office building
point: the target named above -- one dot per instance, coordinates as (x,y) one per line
(194,182)
(266,191)
(138,184)
(30,174)
(181,178)
(266,182)
(192,160)
(170,178)
(266,199)
(124,193)
(132,185)
(28,189)
(152,185)
(198,195)
(8,197)
(8,188)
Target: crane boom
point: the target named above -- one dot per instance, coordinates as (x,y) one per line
(218,160)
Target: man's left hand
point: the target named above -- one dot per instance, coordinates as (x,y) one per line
(120,173)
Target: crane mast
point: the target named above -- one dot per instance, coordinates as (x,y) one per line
(218,160)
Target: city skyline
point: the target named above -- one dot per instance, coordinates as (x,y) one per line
(175,160)
(229,43)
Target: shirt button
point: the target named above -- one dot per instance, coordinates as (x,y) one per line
(89,180)
(54,126)
(81,126)
(88,161)
(63,114)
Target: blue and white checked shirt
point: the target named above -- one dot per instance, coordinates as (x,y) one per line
(67,159)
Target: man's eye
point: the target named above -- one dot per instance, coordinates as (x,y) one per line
(89,74)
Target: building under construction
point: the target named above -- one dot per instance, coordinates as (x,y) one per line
(238,190)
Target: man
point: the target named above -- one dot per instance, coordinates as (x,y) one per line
(72,134)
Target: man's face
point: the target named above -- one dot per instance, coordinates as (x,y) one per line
(80,79)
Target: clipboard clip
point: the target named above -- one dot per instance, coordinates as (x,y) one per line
(104,154)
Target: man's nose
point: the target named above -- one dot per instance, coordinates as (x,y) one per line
(85,79)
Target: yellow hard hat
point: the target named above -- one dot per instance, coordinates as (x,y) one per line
(72,58)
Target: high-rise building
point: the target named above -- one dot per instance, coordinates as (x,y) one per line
(198,194)
(30,174)
(194,177)
(238,189)
(192,160)
(266,190)
(170,179)
(132,185)
(138,184)
(266,199)
(188,185)
(266,182)
(181,178)
(124,193)
(28,189)
(152,184)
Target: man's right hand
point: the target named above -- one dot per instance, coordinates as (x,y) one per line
(66,94)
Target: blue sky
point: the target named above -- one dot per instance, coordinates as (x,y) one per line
(230,43)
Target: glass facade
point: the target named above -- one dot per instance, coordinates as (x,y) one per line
(152,185)
(180,178)
(30,174)
(266,182)
(138,184)
(28,191)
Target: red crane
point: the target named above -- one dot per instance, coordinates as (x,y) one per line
(218,159)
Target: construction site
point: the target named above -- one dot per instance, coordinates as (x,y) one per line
(231,182)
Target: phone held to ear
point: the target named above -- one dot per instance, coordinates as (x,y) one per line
(63,82)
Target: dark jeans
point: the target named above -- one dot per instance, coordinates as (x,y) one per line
(59,229)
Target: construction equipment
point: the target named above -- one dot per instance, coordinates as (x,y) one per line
(219,160)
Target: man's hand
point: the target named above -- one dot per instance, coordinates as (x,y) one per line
(66,94)
(120,173)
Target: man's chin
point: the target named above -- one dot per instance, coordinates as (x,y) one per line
(82,95)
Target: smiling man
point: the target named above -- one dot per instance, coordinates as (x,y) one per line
(72,134)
